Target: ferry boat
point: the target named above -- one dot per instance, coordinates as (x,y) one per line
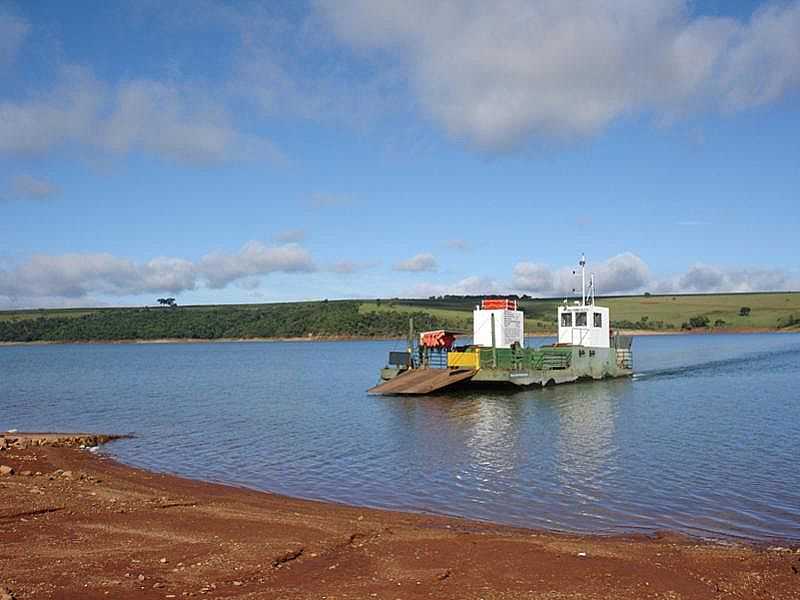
(587,349)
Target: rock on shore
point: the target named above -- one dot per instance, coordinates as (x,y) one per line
(56,440)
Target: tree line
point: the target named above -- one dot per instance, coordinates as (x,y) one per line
(312,319)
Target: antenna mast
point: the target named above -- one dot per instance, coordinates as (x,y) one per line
(583,279)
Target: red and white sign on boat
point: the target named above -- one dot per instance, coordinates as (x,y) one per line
(498,304)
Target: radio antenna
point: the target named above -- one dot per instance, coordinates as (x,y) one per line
(583,279)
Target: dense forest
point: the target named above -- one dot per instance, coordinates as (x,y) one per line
(310,319)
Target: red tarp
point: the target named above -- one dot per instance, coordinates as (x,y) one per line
(437,339)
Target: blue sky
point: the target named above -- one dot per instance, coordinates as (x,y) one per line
(246,152)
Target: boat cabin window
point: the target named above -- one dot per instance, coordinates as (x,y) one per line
(580,319)
(598,319)
(566,319)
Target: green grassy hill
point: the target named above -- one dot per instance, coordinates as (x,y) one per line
(386,318)
(767,310)
(773,310)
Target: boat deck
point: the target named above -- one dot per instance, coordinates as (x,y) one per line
(422,381)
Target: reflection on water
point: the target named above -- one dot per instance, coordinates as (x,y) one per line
(703,440)
(586,442)
(493,442)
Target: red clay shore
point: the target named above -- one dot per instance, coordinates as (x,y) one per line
(77,525)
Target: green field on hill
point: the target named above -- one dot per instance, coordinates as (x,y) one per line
(767,310)
(387,318)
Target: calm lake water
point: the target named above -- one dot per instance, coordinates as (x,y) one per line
(705,439)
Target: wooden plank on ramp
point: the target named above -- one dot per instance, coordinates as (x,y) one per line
(422,381)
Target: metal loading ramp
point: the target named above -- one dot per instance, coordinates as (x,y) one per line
(422,381)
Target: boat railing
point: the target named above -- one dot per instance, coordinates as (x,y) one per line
(436,358)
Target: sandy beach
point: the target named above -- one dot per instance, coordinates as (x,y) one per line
(76,524)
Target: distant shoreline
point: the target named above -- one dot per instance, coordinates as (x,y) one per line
(331,338)
(355,338)
(358,320)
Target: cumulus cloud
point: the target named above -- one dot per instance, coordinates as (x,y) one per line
(26,187)
(627,273)
(622,273)
(469,286)
(417,264)
(13,32)
(182,123)
(619,274)
(78,275)
(81,275)
(701,278)
(255,258)
(497,73)
(533,278)
(68,113)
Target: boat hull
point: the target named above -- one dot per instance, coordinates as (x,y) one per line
(582,364)
(557,365)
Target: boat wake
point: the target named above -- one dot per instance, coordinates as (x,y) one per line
(770,359)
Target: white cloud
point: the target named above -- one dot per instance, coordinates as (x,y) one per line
(255,258)
(469,286)
(627,273)
(82,275)
(763,58)
(183,123)
(417,264)
(702,278)
(180,123)
(497,73)
(13,32)
(619,274)
(622,273)
(78,275)
(533,278)
(26,187)
(168,274)
(68,113)
(81,279)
